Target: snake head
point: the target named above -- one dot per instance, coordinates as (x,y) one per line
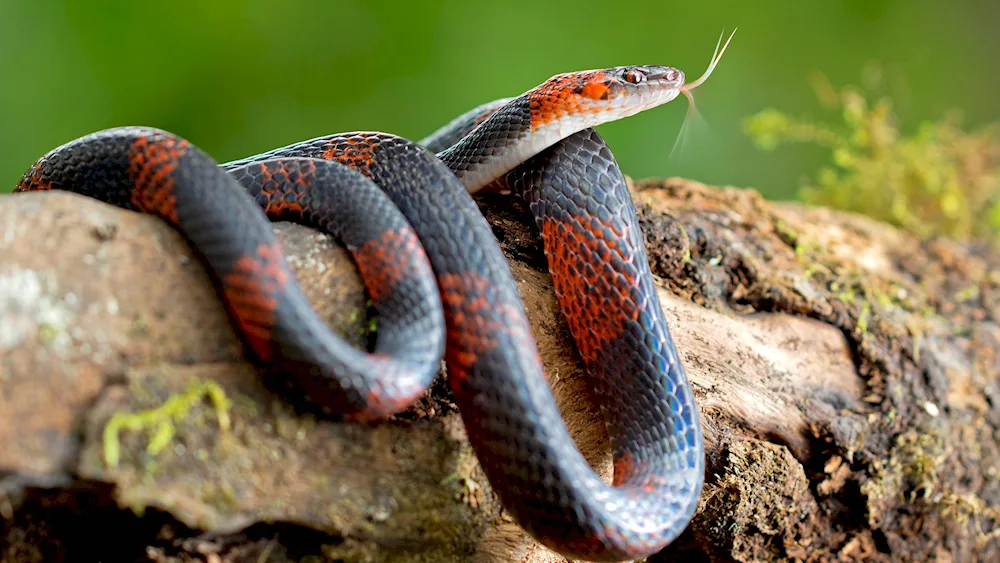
(592,97)
(628,84)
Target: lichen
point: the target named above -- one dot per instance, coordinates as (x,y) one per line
(32,303)
(939,180)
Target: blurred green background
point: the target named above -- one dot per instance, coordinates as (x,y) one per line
(238,78)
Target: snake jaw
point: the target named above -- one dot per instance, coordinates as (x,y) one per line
(644,99)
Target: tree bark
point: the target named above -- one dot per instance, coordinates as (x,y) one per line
(846,372)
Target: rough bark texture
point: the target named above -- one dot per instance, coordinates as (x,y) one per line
(847,374)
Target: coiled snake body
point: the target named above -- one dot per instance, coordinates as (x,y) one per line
(441,285)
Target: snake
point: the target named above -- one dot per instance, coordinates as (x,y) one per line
(443,289)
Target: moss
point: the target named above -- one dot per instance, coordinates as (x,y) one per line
(913,471)
(140,326)
(968,293)
(866,310)
(47,332)
(159,420)
(971,510)
(936,181)
(686,243)
(786,233)
(367,329)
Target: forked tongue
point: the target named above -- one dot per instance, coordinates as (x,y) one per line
(692,112)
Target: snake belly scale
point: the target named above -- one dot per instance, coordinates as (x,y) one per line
(442,286)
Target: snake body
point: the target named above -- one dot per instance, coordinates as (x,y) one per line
(441,285)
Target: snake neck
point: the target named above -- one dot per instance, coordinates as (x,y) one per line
(452,132)
(497,145)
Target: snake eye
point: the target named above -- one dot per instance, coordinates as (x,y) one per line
(634,76)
